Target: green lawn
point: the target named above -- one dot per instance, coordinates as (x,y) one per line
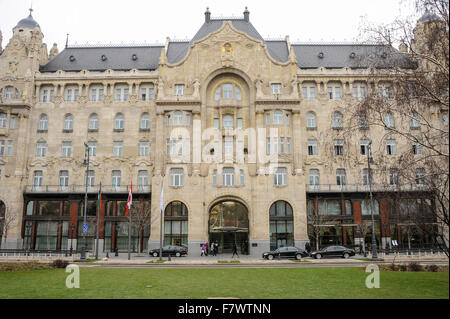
(269,283)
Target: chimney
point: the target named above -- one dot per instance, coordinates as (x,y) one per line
(246,15)
(207,15)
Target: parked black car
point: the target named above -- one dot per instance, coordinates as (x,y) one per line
(176,251)
(285,252)
(333,251)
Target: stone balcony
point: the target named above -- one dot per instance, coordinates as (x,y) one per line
(81,189)
(359,188)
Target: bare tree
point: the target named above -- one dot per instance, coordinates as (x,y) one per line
(413,110)
(6,222)
(141,219)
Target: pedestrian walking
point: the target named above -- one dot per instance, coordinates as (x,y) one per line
(235,252)
(206,249)
(308,248)
(203,249)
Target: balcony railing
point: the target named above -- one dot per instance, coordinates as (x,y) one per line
(82,189)
(333,188)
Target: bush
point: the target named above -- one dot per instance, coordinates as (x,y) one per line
(432,268)
(393,267)
(413,266)
(58,263)
(402,267)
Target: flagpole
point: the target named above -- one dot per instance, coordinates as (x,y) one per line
(98,217)
(129,220)
(161,218)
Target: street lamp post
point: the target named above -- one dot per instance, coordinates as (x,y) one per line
(86,162)
(71,238)
(374,241)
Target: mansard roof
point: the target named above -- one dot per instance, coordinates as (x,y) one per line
(309,55)
(75,59)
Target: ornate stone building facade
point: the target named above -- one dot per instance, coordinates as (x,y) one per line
(241,132)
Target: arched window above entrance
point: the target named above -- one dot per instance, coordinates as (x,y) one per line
(280,208)
(176,209)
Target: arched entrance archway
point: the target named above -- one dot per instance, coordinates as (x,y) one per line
(228,224)
(176,224)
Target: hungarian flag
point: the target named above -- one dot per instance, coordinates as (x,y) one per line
(99,198)
(130,199)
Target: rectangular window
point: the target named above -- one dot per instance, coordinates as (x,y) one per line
(390,147)
(280,176)
(227,91)
(142,178)
(365,174)
(228,176)
(414,122)
(314,177)
(37,179)
(268,146)
(10,148)
(389,120)
(288,146)
(338,147)
(416,148)
(281,145)
(12,122)
(341,178)
(393,176)
(179,89)
(2,148)
(216,123)
(116,178)
(364,147)
(239,123)
(228,148)
(91,178)
(144,148)
(267,118)
(92,146)
(334,92)
(309,91)
(312,147)
(420,176)
(41,148)
(359,91)
(64,179)
(66,149)
(176,177)
(241,174)
(118,149)
(214,177)
(276,88)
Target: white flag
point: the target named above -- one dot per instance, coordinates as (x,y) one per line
(161,203)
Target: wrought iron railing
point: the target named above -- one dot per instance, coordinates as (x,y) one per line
(333,188)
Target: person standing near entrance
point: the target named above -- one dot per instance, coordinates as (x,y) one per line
(216,248)
(235,250)
(203,249)
(213,253)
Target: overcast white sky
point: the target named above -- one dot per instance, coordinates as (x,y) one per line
(151,21)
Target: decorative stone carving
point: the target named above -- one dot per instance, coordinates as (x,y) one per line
(196,88)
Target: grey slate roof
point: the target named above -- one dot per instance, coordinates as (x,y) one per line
(117,58)
(120,58)
(344,55)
